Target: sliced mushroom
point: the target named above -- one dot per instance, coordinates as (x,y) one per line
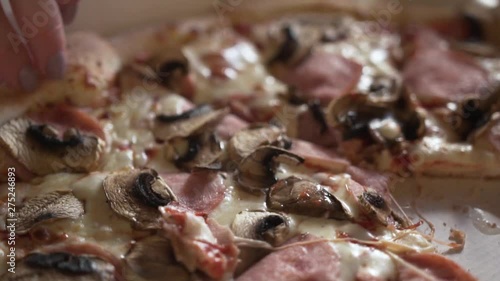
(45,150)
(376,206)
(139,76)
(296,41)
(303,197)
(384,89)
(472,114)
(273,228)
(62,266)
(47,207)
(137,194)
(170,67)
(386,123)
(191,122)
(244,142)
(201,151)
(256,172)
(153,258)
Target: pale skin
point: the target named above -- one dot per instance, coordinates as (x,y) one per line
(37,52)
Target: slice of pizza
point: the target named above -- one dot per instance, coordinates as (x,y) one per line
(219,150)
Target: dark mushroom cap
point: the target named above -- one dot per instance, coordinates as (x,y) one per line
(192,122)
(61,266)
(136,195)
(198,151)
(244,142)
(44,150)
(270,227)
(388,123)
(256,172)
(294,195)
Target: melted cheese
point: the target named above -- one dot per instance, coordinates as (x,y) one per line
(357,260)
(235,201)
(247,74)
(372,52)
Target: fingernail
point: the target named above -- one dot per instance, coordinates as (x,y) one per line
(28,78)
(68,13)
(56,66)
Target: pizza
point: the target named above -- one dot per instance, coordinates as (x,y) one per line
(243,150)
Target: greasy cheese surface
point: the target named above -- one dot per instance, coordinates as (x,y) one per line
(128,131)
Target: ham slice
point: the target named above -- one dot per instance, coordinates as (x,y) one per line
(437,75)
(201,191)
(324,76)
(311,129)
(229,125)
(199,244)
(308,262)
(318,156)
(65,116)
(435,267)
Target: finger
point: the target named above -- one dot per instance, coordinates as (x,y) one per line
(41,24)
(68,10)
(15,66)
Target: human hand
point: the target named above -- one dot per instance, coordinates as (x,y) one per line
(37,50)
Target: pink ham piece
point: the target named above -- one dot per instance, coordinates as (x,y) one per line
(318,156)
(199,244)
(309,262)
(62,117)
(324,76)
(435,267)
(312,130)
(437,75)
(65,117)
(201,191)
(378,181)
(229,125)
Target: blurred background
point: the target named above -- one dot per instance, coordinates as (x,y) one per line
(111,16)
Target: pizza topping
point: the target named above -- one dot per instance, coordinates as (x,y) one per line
(200,190)
(199,244)
(244,142)
(312,126)
(319,156)
(48,207)
(199,151)
(291,50)
(438,76)
(304,197)
(230,125)
(152,258)
(256,172)
(136,195)
(428,266)
(273,228)
(44,150)
(471,115)
(323,76)
(308,261)
(371,190)
(193,121)
(170,67)
(63,266)
(385,123)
